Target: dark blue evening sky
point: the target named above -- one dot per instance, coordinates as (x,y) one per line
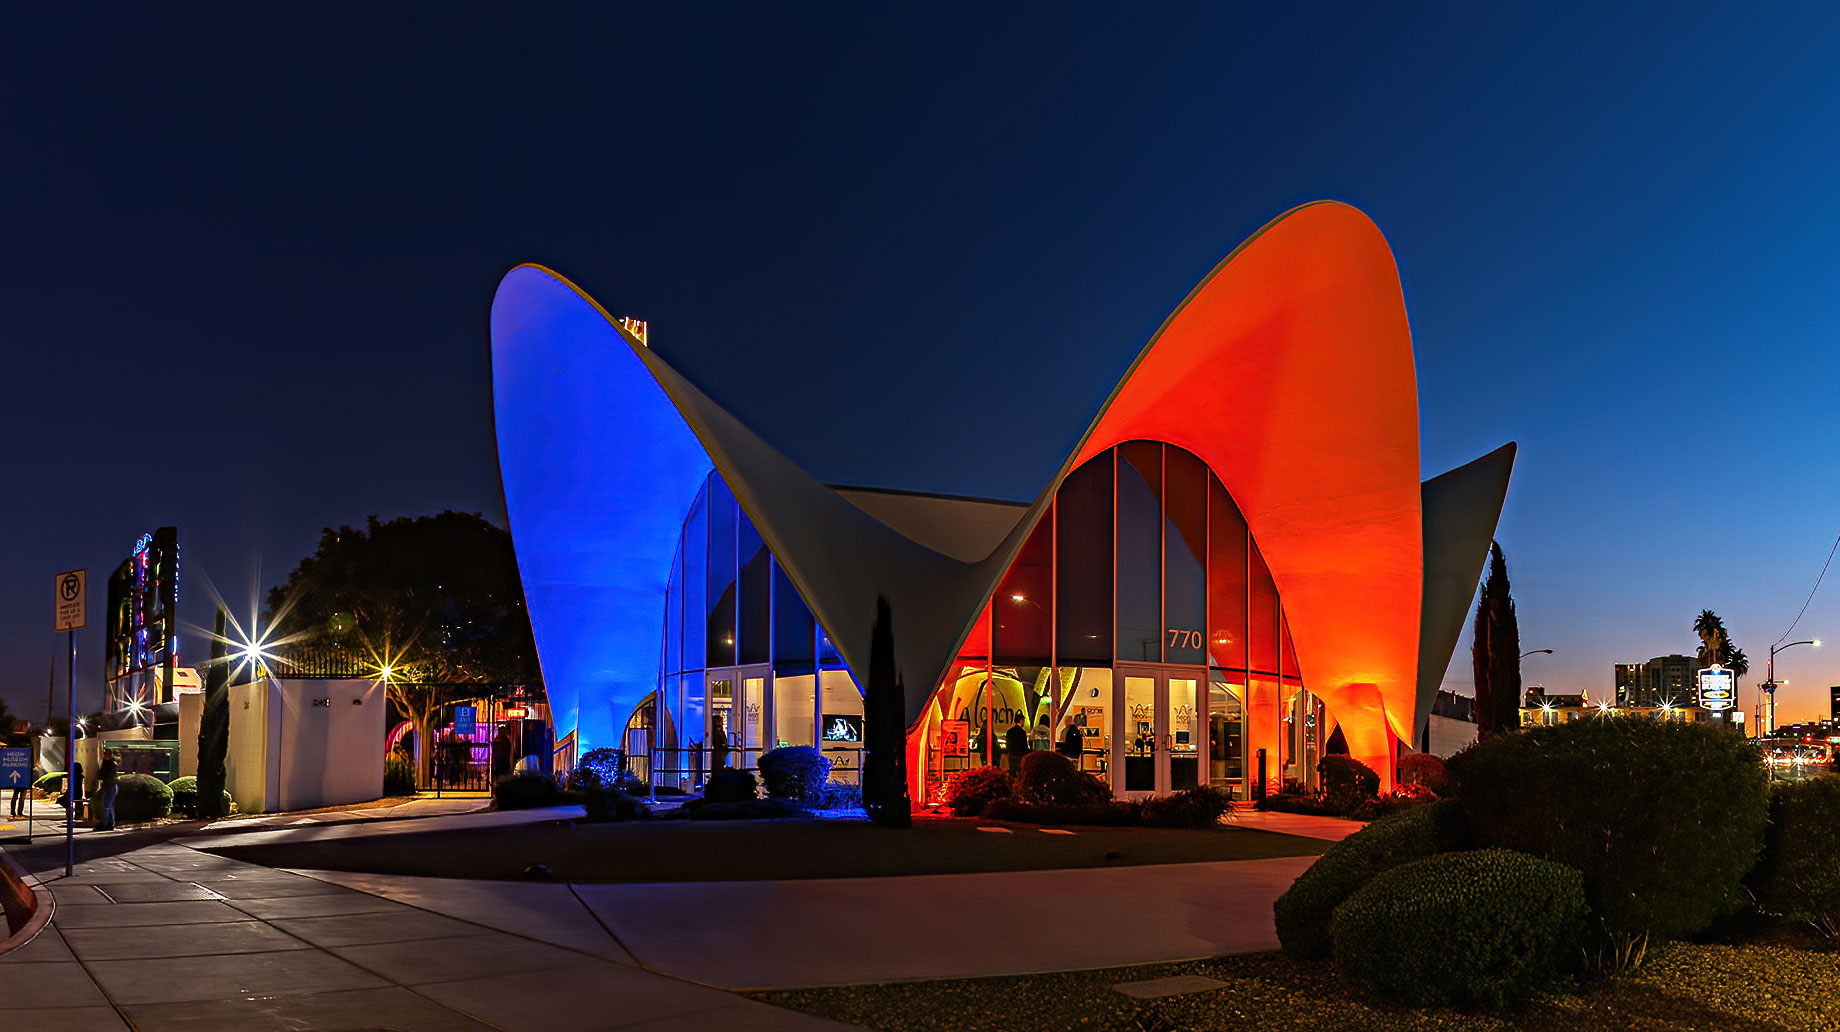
(249,255)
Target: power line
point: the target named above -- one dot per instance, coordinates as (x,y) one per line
(1811,591)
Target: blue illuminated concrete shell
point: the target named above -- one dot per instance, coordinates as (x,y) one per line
(603,446)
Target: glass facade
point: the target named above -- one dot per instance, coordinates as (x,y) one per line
(746,667)
(1144,611)
(1138,632)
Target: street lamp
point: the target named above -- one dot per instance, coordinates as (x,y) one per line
(1536,652)
(1768,703)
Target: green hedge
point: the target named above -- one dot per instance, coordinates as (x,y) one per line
(969,791)
(1050,778)
(1303,912)
(1799,877)
(1489,927)
(185,796)
(1664,818)
(141,798)
(1196,808)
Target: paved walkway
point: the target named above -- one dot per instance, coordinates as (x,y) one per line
(273,950)
(331,950)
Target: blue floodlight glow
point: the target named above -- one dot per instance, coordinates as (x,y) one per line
(599,469)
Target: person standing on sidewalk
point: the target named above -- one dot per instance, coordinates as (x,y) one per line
(107,784)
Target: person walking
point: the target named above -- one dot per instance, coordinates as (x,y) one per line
(108,783)
(1016,744)
(19,793)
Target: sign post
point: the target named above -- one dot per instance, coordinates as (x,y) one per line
(67,613)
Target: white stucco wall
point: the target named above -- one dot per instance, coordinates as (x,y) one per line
(331,743)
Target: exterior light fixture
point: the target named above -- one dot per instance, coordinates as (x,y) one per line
(1017,598)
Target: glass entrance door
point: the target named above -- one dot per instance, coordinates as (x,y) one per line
(1158,735)
(737,716)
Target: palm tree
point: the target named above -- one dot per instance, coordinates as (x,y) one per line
(1714,643)
(1738,663)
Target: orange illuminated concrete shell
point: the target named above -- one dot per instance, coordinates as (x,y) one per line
(1289,372)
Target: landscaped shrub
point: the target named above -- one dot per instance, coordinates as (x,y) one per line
(185,797)
(728,785)
(1407,798)
(745,810)
(1303,911)
(601,804)
(1200,807)
(1423,769)
(528,791)
(50,784)
(793,772)
(1296,802)
(1347,782)
(1049,777)
(969,791)
(836,795)
(1111,813)
(1665,818)
(1799,877)
(604,768)
(398,776)
(140,798)
(1488,927)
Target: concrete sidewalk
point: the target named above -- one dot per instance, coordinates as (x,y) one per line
(220,944)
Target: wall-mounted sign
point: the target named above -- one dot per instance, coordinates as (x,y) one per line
(955,737)
(1717,688)
(466,720)
(516,713)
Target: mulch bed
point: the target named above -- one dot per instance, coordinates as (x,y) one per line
(645,851)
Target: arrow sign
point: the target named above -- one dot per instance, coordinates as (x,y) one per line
(15,765)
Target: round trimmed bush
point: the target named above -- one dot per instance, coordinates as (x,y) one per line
(1049,777)
(1799,877)
(794,772)
(1489,927)
(50,784)
(1347,782)
(1425,771)
(185,796)
(1303,912)
(1194,808)
(1664,818)
(141,798)
(969,791)
(729,785)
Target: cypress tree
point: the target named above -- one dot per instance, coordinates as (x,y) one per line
(1495,652)
(214,727)
(884,774)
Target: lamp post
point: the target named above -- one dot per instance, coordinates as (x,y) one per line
(1536,652)
(1766,705)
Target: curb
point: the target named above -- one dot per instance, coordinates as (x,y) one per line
(28,905)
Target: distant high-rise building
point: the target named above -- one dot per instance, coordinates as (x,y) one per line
(1658,682)
(1833,706)
(1629,681)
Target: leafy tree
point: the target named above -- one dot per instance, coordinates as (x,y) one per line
(214,725)
(1495,652)
(431,604)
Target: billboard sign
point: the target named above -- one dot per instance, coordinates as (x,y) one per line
(1718,690)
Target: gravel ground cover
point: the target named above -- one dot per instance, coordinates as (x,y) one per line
(1779,981)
